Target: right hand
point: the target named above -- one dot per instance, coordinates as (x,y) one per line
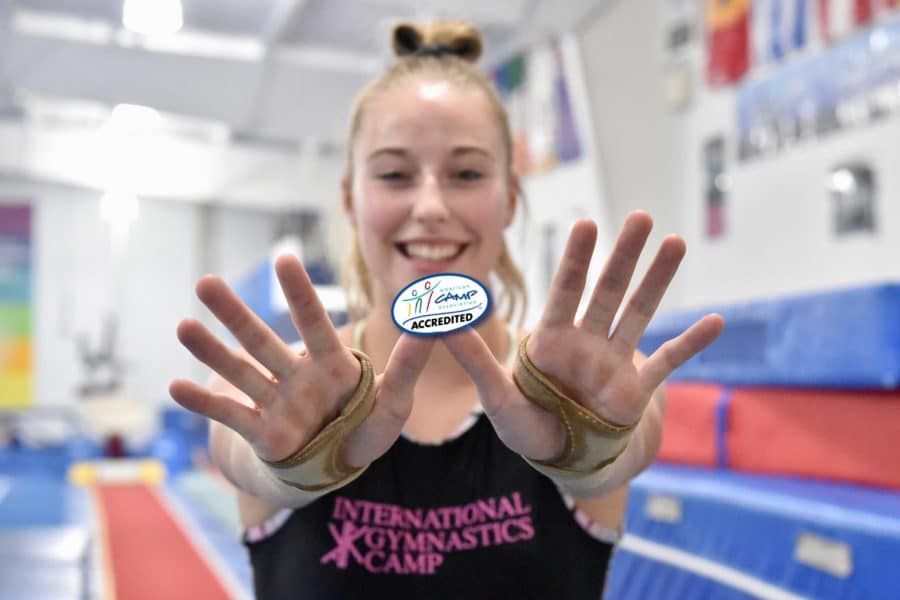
(278,399)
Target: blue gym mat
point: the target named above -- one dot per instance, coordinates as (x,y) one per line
(700,532)
(844,338)
(46,532)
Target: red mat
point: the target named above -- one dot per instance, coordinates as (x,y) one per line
(850,436)
(689,426)
(150,555)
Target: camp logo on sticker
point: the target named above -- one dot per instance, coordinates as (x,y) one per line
(440,304)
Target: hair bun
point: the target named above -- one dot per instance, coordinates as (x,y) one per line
(452,37)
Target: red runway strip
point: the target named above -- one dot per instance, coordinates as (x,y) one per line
(150,555)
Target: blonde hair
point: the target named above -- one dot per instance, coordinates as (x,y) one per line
(446,50)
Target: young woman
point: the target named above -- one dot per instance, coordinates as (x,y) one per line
(467,465)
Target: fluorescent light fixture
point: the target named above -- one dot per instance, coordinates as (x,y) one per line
(131,119)
(153,17)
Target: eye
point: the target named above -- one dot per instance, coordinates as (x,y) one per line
(469,175)
(392,176)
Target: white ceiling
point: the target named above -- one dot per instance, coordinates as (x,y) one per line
(277,75)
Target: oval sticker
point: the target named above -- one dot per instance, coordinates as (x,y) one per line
(440,303)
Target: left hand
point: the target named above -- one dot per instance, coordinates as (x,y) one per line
(586,360)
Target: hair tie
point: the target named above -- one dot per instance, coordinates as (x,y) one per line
(436,50)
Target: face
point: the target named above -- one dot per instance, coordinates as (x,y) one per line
(431,190)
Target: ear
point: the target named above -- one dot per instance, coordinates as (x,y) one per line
(347,199)
(515,190)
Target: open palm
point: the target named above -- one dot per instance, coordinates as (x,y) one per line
(277,399)
(588,360)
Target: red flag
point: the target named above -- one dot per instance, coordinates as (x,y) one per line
(862,12)
(839,18)
(728,37)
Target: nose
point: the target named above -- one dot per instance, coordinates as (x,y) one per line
(430,203)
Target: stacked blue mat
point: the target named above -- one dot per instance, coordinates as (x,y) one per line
(845,338)
(694,533)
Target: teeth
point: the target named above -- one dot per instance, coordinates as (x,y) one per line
(432,251)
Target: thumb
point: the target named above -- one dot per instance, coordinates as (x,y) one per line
(407,359)
(393,400)
(474,355)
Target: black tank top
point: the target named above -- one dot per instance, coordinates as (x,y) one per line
(467,518)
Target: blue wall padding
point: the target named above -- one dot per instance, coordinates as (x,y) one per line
(847,338)
(255,289)
(752,524)
(51,461)
(41,501)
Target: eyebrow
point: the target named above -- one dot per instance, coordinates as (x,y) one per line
(401,153)
(389,151)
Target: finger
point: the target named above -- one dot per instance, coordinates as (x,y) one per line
(679,350)
(393,400)
(617,273)
(407,359)
(646,298)
(219,407)
(309,316)
(252,333)
(238,371)
(474,355)
(568,281)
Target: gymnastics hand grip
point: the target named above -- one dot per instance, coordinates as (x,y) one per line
(317,466)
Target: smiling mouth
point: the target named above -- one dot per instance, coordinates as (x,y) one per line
(434,252)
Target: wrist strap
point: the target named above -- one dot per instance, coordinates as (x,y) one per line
(317,466)
(592,442)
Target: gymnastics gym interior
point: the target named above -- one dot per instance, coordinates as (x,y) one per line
(145,143)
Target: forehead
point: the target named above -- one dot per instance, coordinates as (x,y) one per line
(428,114)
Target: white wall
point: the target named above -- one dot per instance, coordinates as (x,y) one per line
(634,141)
(557,198)
(779,238)
(75,284)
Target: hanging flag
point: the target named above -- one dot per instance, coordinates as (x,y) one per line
(862,12)
(799,24)
(839,18)
(728,40)
(760,34)
(789,26)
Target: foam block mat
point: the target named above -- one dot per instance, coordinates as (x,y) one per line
(830,434)
(748,533)
(690,426)
(847,338)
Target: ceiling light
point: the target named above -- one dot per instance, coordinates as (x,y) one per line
(153,17)
(842,181)
(131,119)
